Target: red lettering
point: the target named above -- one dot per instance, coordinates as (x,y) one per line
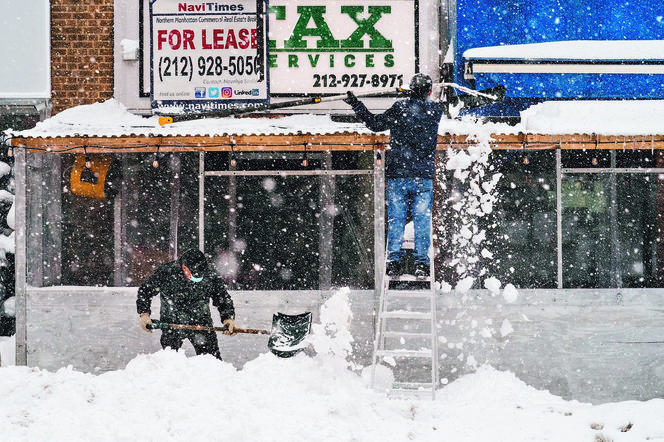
(254,41)
(244,38)
(218,38)
(161,38)
(183,7)
(174,39)
(188,39)
(231,42)
(205,44)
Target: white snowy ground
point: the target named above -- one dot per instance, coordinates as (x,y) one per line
(316,396)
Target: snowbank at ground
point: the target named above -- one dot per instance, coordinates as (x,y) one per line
(7,351)
(166,396)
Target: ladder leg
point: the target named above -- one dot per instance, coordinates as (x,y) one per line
(413,322)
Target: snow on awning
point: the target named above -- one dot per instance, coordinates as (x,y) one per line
(575,57)
(111,119)
(109,127)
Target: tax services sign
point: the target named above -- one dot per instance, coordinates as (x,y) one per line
(215,56)
(207,56)
(328,47)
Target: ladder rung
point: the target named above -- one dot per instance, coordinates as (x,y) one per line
(409,278)
(411,385)
(396,334)
(410,293)
(405,353)
(410,394)
(406,315)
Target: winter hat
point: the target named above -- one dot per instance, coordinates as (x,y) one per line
(195,261)
(420,85)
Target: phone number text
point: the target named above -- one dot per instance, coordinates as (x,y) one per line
(207,66)
(357,80)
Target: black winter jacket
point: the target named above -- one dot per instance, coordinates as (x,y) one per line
(413,125)
(182,301)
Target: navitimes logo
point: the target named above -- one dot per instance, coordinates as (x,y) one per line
(209,7)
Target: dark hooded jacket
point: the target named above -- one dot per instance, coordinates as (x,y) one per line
(413,125)
(182,301)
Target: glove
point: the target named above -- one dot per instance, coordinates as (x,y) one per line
(230,327)
(499,92)
(351,99)
(144,321)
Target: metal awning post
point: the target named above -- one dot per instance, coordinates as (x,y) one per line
(20,171)
(379,218)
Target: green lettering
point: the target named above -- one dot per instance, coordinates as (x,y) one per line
(389,61)
(278,11)
(366,26)
(292,61)
(313,60)
(321,29)
(279,14)
(349,60)
(331,60)
(272,60)
(369,60)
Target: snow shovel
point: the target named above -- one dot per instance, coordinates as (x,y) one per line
(286,338)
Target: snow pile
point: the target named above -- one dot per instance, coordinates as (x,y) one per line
(627,117)
(7,351)
(111,118)
(332,338)
(166,396)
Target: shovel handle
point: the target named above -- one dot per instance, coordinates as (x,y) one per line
(156,324)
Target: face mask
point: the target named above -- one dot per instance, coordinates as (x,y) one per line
(189,276)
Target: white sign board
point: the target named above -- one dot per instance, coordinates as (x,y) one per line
(328,47)
(207,56)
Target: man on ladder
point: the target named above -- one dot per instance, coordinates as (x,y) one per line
(409,168)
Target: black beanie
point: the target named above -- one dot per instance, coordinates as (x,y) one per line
(195,262)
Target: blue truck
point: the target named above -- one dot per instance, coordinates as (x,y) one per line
(555,49)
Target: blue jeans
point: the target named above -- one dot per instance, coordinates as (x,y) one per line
(402,193)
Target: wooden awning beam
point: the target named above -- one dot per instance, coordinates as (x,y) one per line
(327,142)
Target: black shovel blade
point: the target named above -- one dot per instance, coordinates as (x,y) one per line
(288,333)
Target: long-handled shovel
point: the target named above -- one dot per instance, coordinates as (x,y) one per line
(164,120)
(286,337)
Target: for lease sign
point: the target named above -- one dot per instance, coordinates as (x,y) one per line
(333,45)
(207,56)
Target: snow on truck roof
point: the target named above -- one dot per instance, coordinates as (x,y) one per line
(595,50)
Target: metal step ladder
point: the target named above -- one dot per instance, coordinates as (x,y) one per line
(406,336)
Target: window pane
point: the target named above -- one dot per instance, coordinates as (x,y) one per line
(612,230)
(586,231)
(523,228)
(287,232)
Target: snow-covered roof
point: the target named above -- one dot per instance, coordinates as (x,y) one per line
(111,119)
(596,50)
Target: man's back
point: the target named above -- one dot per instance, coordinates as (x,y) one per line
(413,125)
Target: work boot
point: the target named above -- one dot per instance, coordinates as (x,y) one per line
(421,270)
(394,269)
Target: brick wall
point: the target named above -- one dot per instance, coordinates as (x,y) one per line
(81,52)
